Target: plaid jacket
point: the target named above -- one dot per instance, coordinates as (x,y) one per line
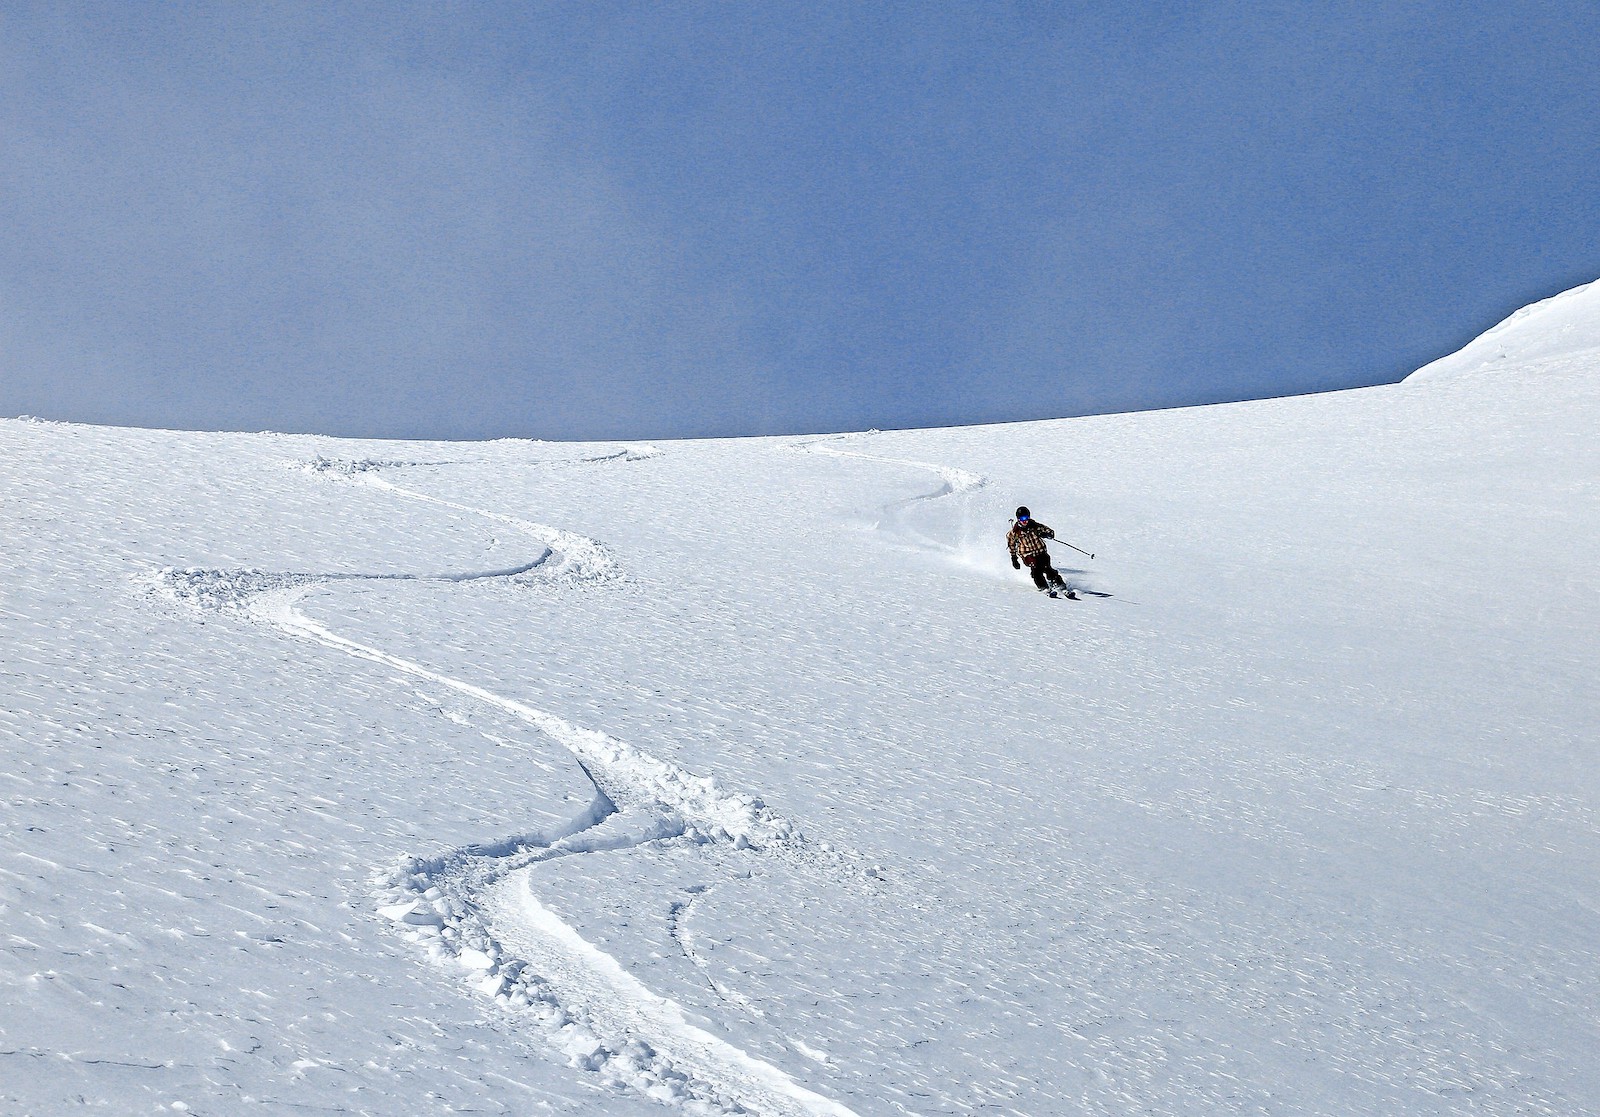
(1026,541)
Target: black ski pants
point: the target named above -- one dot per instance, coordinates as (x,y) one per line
(1044,575)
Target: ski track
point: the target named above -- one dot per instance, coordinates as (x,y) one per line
(955,482)
(589,1006)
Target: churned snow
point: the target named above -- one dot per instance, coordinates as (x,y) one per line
(747,777)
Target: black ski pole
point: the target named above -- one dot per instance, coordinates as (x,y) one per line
(1080,550)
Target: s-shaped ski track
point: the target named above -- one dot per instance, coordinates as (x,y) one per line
(589,1005)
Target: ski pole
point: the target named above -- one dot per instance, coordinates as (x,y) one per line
(1080,550)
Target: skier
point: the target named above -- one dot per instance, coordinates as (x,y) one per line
(1026,543)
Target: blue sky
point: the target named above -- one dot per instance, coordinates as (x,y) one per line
(597,220)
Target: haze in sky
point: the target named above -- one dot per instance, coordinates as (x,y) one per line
(609,220)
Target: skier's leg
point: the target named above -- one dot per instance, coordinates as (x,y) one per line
(1057,581)
(1036,568)
(1050,573)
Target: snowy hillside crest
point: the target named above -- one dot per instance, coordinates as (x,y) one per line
(1563,326)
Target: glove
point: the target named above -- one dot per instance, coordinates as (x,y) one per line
(1015,565)
(1048,534)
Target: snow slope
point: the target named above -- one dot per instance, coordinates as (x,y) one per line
(1564,325)
(747,777)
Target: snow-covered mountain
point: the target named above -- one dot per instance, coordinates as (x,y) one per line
(748,777)
(1564,325)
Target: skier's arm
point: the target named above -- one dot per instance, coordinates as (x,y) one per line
(1011,545)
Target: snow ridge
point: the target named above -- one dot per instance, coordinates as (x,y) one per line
(1564,325)
(638,800)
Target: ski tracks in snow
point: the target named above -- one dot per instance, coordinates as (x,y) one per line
(475,907)
(955,482)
